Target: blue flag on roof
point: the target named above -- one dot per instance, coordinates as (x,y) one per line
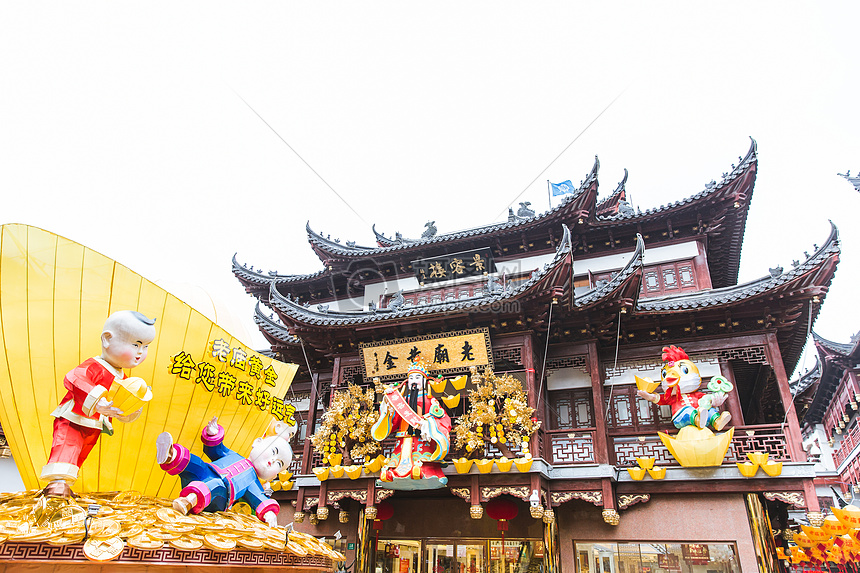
(562,188)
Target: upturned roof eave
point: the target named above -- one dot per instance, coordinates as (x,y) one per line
(695,301)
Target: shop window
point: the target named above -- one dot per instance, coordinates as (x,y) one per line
(606,557)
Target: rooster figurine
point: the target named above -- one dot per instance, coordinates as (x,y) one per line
(680,384)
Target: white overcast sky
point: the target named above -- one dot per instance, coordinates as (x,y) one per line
(123,126)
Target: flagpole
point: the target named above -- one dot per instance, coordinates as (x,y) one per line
(548,194)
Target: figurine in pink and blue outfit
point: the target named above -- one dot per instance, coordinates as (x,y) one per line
(229,477)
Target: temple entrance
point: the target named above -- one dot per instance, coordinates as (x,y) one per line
(459,556)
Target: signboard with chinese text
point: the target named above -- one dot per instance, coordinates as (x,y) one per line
(455,266)
(447,352)
(55,295)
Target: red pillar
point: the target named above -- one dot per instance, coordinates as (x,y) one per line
(601,449)
(793,436)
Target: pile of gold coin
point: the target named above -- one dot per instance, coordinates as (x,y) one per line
(143,523)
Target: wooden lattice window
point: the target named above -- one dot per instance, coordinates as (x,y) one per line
(571,409)
(658,280)
(630,414)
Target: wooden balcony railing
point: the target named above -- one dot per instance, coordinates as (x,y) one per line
(766,438)
(849,441)
(569,447)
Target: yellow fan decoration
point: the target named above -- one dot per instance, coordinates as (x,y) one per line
(55,295)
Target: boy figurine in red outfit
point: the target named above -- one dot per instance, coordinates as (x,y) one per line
(84,412)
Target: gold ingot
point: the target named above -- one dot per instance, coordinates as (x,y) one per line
(285,475)
(275,485)
(645,463)
(523,464)
(275,544)
(463,465)
(186,543)
(657,473)
(747,469)
(129,395)
(373,465)
(484,466)
(321,473)
(103,549)
(803,540)
(504,464)
(833,526)
(218,542)
(460,382)
(759,458)
(772,469)
(636,473)
(646,384)
(848,515)
(452,401)
(698,447)
(438,384)
(816,534)
(353,472)
(334,459)
(287,485)
(144,541)
(335,472)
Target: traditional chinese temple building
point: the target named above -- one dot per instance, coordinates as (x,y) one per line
(826,399)
(573,302)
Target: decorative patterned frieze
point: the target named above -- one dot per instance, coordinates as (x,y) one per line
(578,362)
(625,501)
(521,492)
(514,355)
(794,498)
(357,495)
(383,493)
(752,355)
(595,497)
(310,502)
(463,493)
(167,555)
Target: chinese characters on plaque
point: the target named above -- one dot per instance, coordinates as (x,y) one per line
(447,352)
(234,372)
(455,266)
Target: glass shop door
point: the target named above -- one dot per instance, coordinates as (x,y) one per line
(455,556)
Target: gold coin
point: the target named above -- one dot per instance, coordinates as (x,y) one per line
(178,527)
(163,535)
(296,549)
(275,544)
(250,543)
(67,517)
(242,508)
(132,530)
(186,544)
(104,527)
(167,515)
(144,541)
(218,542)
(129,497)
(34,535)
(103,549)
